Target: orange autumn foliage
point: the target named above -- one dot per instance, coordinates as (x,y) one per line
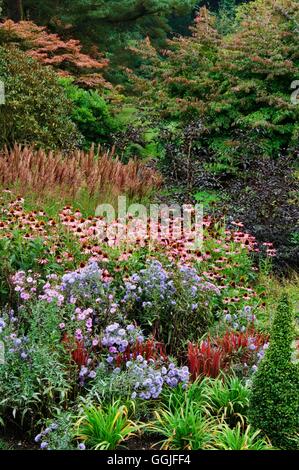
(65,56)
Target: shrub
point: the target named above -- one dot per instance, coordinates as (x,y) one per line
(36,110)
(50,49)
(91,114)
(276,209)
(274,401)
(237,85)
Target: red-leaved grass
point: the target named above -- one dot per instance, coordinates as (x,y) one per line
(150,349)
(212,356)
(205,359)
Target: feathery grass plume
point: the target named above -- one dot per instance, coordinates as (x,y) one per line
(96,172)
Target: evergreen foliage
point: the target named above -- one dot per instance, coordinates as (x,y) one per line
(274,403)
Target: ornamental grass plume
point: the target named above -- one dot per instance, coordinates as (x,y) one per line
(96,172)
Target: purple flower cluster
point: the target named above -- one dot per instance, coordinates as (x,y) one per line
(86,373)
(2,324)
(147,376)
(242,320)
(176,375)
(30,286)
(19,346)
(194,283)
(117,338)
(260,353)
(156,289)
(85,282)
(51,294)
(25,284)
(150,379)
(40,437)
(153,284)
(8,333)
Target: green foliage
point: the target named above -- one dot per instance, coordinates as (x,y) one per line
(62,435)
(34,381)
(36,110)
(90,113)
(4,445)
(206,198)
(236,85)
(105,428)
(237,439)
(107,387)
(274,402)
(173,319)
(226,16)
(182,428)
(20,253)
(228,399)
(112,25)
(196,393)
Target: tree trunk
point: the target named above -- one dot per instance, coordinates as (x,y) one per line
(15,10)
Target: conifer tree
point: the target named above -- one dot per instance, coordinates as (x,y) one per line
(274,403)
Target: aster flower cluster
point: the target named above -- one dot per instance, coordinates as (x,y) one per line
(86,372)
(194,283)
(149,380)
(52,293)
(84,320)
(153,282)
(15,343)
(19,345)
(30,286)
(25,284)
(117,338)
(2,324)
(241,320)
(41,437)
(84,281)
(258,351)
(148,376)
(89,284)
(155,287)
